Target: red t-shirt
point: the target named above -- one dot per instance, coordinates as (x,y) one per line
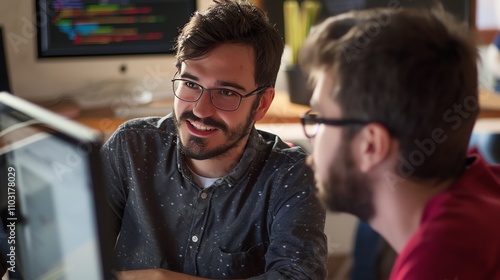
(459,235)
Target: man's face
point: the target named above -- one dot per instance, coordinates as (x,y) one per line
(205,131)
(341,185)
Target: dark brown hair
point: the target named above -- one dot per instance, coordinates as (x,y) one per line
(236,23)
(414,71)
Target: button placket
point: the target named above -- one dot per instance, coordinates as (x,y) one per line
(199,223)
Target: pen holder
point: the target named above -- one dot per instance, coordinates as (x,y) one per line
(299,90)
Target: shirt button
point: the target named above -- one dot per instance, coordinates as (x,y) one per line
(194,238)
(203,195)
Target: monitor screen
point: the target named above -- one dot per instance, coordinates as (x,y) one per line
(54,213)
(109,27)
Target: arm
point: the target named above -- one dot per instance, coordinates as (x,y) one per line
(155,274)
(113,166)
(298,246)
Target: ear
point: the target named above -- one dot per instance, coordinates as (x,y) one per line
(265,103)
(374,146)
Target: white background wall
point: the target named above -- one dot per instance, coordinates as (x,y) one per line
(488,14)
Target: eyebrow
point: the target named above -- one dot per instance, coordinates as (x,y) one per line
(218,83)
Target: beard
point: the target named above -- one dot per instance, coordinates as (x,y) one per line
(197,147)
(346,189)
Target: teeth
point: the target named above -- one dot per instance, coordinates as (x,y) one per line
(200,126)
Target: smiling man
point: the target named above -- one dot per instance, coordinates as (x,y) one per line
(211,124)
(200,193)
(394,105)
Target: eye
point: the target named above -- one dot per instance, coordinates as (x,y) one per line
(191,84)
(314,115)
(227,93)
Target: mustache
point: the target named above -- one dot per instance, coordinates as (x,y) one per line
(206,121)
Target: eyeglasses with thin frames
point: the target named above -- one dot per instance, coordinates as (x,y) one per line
(310,123)
(222,98)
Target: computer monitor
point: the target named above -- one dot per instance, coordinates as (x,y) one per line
(109,27)
(57,59)
(4,73)
(54,212)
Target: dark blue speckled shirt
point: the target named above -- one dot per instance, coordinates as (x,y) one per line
(262,220)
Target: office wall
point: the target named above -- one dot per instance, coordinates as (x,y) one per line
(47,79)
(488,14)
(50,78)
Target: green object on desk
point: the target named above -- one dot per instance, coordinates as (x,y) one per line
(298,22)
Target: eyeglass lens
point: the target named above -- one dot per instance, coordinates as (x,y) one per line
(221,98)
(310,129)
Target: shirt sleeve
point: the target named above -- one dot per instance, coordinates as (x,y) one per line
(114,166)
(298,246)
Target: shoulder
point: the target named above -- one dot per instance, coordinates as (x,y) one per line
(438,260)
(143,131)
(445,252)
(456,231)
(464,213)
(284,165)
(147,124)
(280,150)
(470,202)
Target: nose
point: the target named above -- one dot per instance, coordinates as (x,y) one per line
(203,108)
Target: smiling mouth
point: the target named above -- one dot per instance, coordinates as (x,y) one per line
(201,127)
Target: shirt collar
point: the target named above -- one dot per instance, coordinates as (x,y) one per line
(252,156)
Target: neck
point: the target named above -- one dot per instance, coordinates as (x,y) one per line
(398,211)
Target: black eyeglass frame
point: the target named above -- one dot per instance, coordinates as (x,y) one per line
(308,119)
(209,90)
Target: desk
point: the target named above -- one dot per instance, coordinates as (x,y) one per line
(489,103)
(281,111)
